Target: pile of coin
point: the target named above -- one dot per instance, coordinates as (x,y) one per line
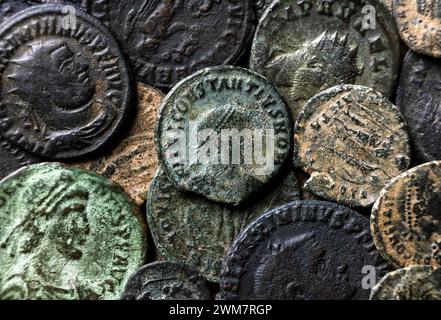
(201,149)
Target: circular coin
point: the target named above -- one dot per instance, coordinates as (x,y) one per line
(191,229)
(351,140)
(419,24)
(419,99)
(65,88)
(305,250)
(66,233)
(305,47)
(169,40)
(411,283)
(406,220)
(133,163)
(166,281)
(223,133)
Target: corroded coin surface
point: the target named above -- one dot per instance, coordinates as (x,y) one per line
(223,133)
(419,99)
(406,221)
(351,140)
(66,233)
(64,89)
(304,250)
(419,24)
(305,47)
(411,283)
(133,163)
(166,281)
(193,230)
(168,40)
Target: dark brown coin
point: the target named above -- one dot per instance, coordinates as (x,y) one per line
(351,140)
(406,219)
(419,24)
(305,250)
(166,281)
(65,88)
(419,99)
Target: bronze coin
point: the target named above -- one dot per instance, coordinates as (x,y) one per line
(405,220)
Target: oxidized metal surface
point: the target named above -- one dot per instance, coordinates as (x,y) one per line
(351,140)
(419,99)
(133,163)
(168,40)
(308,46)
(64,92)
(419,24)
(411,283)
(405,220)
(191,229)
(304,250)
(214,103)
(66,233)
(166,281)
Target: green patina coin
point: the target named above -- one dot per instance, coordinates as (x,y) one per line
(223,133)
(411,283)
(307,46)
(191,229)
(66,233)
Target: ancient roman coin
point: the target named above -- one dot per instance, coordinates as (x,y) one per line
(261,6)
(419,24)
(223,133)
(308,46)
(169,40)
(65,88)
(405,220)
(166,281)
(13,158)
(411,283)
(419,100)
(352,141)
(66,233)
(133,162)
(191,229)
(304,250)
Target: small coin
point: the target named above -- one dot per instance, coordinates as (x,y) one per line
(166,281)
(191,229)
(223,133)
(406,221)
(169,40)
(351,140)
(65,88)
(13,158)
(133,163)
(411,283)
(305,47)
(305,250)
(419,24)
(66,234)
(419,99)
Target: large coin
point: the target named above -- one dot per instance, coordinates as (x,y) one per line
(305,47)
(133,162)
(65,87)
(419,99)
(406,219)
(66,234)
(166,281)
(191,229)
(223,133)
(169,40)
(411,283)
(351,140)
(419,24)
(305,250)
